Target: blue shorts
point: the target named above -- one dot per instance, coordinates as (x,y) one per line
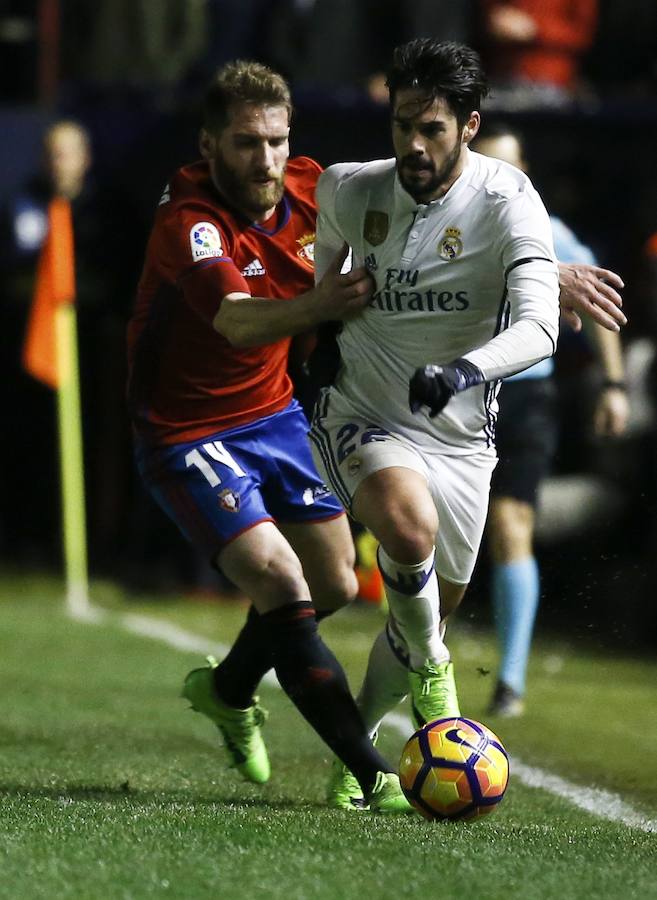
(221,485)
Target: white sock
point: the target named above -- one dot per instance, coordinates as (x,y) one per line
(414,603)
(385,684)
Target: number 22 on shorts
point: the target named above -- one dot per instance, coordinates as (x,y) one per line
(347,440)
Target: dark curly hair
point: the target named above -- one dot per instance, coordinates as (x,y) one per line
(442,69)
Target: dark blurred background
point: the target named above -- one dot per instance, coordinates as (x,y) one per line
(581,87)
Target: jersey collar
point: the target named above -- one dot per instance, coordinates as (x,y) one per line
(283,213)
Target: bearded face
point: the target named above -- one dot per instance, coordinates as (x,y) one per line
(425,178)
(248,158)
(429,144)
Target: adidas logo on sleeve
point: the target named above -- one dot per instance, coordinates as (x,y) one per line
(255,267)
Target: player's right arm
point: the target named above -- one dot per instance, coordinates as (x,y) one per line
(197,255)
(338,294)
(247,321)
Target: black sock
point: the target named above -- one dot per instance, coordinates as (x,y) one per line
(238,675)
(314,680)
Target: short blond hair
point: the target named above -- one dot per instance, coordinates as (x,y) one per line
(243,81)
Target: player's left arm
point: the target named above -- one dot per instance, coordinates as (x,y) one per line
(532,290)
(531,337)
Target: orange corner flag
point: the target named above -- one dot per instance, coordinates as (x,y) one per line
(55,286)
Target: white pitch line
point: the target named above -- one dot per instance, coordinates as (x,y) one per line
(159,630)
(600,803)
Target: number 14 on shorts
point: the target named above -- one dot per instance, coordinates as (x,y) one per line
(216,451)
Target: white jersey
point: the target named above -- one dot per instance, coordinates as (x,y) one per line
(472,274)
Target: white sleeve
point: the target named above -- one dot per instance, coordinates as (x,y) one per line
(532,289)
(328,237)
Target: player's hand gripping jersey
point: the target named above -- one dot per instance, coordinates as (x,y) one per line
(471,275)
(186,380)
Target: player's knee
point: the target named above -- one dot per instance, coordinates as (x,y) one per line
(408,541)
(284,581)
(272,580)
(339,590)
(332,580)
(406,528)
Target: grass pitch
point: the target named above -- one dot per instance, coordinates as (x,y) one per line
(111,788)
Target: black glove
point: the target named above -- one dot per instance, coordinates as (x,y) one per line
(433,386)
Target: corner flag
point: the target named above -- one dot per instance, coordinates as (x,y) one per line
(50,355)
(55,286)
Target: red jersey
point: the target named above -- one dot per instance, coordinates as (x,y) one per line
(186,380)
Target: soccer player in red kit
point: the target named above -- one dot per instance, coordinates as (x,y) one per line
(220,441)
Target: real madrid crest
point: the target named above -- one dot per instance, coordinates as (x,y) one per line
(451,245)
(375,228)
(353,466)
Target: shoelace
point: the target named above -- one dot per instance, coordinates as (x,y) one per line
(434,685)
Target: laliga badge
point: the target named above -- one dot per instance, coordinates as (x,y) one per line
(205,241)
(375,228)
(229,500)
(451,244)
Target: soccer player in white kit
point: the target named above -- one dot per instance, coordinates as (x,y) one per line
(460,248)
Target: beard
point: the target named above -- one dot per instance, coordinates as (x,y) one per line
(422,190)
(245,194)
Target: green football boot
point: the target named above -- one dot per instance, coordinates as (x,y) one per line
(240,727)
(433,690)
(343,790)
(387,796)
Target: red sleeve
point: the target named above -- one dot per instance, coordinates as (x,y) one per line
(205,286)
(196,252)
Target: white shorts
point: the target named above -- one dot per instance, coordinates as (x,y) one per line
(347,448)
